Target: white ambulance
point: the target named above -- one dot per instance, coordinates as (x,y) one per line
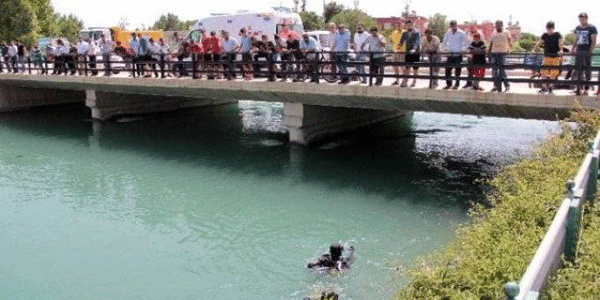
(257,23)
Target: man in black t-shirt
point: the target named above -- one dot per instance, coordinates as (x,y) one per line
(585,41)
(552,42)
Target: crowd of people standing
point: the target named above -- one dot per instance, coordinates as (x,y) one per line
(222,55)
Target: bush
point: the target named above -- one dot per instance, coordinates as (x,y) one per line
(499,243)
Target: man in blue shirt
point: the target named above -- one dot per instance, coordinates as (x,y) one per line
(245,47)
(340,48)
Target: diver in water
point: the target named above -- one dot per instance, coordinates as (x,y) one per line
(334,260)
(325,296)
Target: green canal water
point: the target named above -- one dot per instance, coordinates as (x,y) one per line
(215,204)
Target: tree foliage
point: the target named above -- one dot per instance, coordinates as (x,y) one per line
(312,21)
(69,26)
(351,17)
(438,25)
(527,41)
(26,20)
(18,21)
(570,39)
(330,10)
(170,22)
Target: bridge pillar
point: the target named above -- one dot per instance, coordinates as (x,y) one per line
(310,123)
(106,105)
(14,97)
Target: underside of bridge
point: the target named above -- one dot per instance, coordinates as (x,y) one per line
(107,105)
(311,123)
(18,98)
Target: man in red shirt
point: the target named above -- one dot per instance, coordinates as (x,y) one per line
(212,53)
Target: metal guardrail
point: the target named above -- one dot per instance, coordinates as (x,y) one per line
(323,65)
(563,235)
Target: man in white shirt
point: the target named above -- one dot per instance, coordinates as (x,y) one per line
(376,45)
(82,49)
(309,48)
(12,56)
(455,43)
(92,56)
(230,48)
(106,49)
(360,36)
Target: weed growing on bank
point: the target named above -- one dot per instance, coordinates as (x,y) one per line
(499,242)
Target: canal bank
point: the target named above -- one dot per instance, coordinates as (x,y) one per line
(499,242)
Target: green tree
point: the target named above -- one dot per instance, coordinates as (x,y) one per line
(438,25)
(169,22)
(570,39)
(330,10)
(69,26)
(311,20)
(18,21)
(46,17)
(527,41)
(351,17)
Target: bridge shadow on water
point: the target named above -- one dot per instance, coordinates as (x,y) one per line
(380,160)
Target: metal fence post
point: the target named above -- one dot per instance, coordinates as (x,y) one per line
(593,174)
(573,221)
(162,65)
(46,65)
(29,64)
(511,290)
(194,67)
(431,70)
(371,68)
(85,65)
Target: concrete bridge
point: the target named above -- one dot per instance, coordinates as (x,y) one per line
(311,111)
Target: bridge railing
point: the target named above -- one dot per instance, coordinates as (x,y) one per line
(563,235)
(373,66)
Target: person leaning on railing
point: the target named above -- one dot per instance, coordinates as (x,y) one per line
(266,49)
(37,59)
(309,48)
(60,52)
(431,48)
(553,43)
(230,49)
(375,43)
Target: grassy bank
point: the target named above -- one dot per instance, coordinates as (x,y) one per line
(498,244)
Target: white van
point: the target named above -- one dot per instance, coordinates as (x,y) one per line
(258,23)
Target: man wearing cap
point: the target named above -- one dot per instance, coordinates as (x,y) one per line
(455,43)
(585,42)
